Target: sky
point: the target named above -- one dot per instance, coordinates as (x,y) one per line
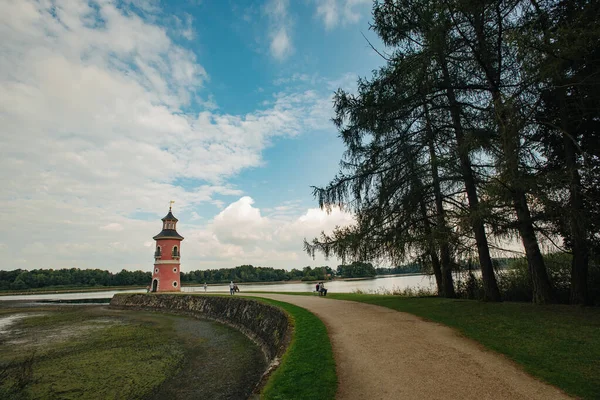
(109,109)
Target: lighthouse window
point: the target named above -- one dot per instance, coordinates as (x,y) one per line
(174,269)
(174,283)
(156,270)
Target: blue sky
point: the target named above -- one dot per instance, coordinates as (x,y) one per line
(112,108)
(244,75)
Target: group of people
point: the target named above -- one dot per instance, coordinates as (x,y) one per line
(232,287)
(321,289)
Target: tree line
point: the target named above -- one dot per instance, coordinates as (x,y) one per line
(73,277)
(250,273)
(482,126)
(20,279)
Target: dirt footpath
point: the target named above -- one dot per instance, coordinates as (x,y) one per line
(385,354)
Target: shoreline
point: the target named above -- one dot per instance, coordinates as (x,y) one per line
(119,288)
(85,289)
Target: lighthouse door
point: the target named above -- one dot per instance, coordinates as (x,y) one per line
(154,285)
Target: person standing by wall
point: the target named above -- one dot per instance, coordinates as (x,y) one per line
(231,288)
(205,286)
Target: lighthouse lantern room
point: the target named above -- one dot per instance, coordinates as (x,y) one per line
(165,276)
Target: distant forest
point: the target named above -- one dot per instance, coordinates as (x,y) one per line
(20,279)
(79,278)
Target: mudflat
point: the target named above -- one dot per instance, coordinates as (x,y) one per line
(94,352)
(386,354)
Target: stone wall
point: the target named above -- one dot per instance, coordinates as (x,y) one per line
(266,325)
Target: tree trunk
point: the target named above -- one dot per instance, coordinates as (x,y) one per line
(577,221)
(488,54)
(446,258)
(490,285)
(542,290)
(435,261)
(510,146)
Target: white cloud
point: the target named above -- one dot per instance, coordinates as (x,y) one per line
(279,27)
(112,227)
(281,44)
(347,82)
(93,132)
(328,11)
(184,26)
(150,6)
(334,12)
(209,104)
(241,234)
(298,78)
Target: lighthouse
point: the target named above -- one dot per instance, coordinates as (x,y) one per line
(165,276)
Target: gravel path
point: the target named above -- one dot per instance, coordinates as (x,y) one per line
(385,354)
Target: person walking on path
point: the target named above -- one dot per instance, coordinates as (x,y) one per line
(231,288)
(205,287)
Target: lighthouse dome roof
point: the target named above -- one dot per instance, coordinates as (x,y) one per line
(169,217)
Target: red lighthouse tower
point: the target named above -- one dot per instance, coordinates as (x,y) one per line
(165,277)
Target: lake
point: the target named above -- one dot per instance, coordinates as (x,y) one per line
(379,284)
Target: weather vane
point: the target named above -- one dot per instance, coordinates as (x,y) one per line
(171,204)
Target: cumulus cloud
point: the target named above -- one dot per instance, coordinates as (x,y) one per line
(242,234)
(94,132)
(334,12)
(279,27)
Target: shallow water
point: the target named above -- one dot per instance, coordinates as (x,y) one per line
(378,284)
(6,322)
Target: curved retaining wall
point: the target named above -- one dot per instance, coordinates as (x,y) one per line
(266,325)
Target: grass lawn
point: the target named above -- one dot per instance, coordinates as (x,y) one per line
(559,344)
(300,375)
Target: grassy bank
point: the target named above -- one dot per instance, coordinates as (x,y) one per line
(307,369)
(559,344)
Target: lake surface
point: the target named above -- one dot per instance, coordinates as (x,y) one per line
(380,284)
